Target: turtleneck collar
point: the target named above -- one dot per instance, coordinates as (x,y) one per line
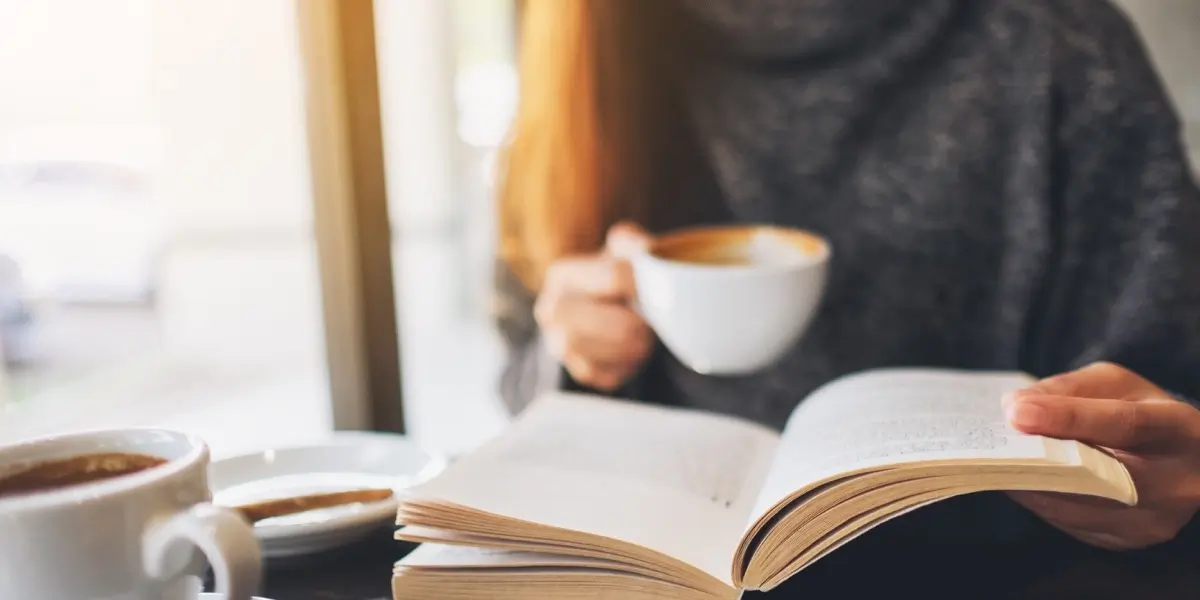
(787,29)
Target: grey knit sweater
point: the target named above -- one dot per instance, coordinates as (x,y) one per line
(1002,182)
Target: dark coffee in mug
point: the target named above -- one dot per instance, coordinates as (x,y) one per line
(60,473)
(737,246)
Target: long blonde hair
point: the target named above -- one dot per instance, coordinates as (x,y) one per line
(594,78)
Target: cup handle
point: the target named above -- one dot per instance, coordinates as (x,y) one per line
(636,307)
(223,535)
(635,303)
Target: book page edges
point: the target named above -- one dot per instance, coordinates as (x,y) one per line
(508,532)
(1108,476)
(1102,463)
(1104,466)
(458,564)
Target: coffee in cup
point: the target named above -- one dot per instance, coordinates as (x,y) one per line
(738,246)
(76,470)
(731,300)
(121,515)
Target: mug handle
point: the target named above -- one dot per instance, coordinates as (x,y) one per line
(633,258)
(223,535)
(636,306)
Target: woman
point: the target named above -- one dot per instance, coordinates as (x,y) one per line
(1001,180)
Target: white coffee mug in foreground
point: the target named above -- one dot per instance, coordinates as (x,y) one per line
(141,536)
(731,300)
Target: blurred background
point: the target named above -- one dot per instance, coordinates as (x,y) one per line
(158,262)
(157,255)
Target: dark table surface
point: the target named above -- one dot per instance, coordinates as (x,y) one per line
(879,565)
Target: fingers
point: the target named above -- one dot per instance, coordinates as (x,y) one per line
(1119,424)
(1154,436)
(1067,508)
(1084,521)
(1100,522)
(584,313)
(598,376)
(600,332)
(626,239)
(1097,380)
(599,277)
(600,345)
(603,276)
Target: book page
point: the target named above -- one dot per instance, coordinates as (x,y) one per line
(895,416)
(445,556)
(678,482)
(441,571)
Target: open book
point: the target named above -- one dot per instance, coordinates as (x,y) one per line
(587,497)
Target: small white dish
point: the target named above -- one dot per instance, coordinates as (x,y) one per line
(211,596)
(345,461)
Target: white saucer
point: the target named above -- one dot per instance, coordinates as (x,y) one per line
(346,461)
(212,596)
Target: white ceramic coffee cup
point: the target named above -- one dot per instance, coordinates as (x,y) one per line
(142,536)
(731,300)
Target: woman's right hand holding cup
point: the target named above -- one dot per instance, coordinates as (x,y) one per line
(585,312)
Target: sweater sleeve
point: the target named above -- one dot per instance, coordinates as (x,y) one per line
(528,368)
(1124,282)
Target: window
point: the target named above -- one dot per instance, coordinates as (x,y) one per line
(158,245)
(448,87)
(157,262)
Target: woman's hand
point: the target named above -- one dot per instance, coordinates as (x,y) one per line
(584,312)
(1155,436)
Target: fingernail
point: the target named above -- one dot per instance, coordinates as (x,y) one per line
(1026,414)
